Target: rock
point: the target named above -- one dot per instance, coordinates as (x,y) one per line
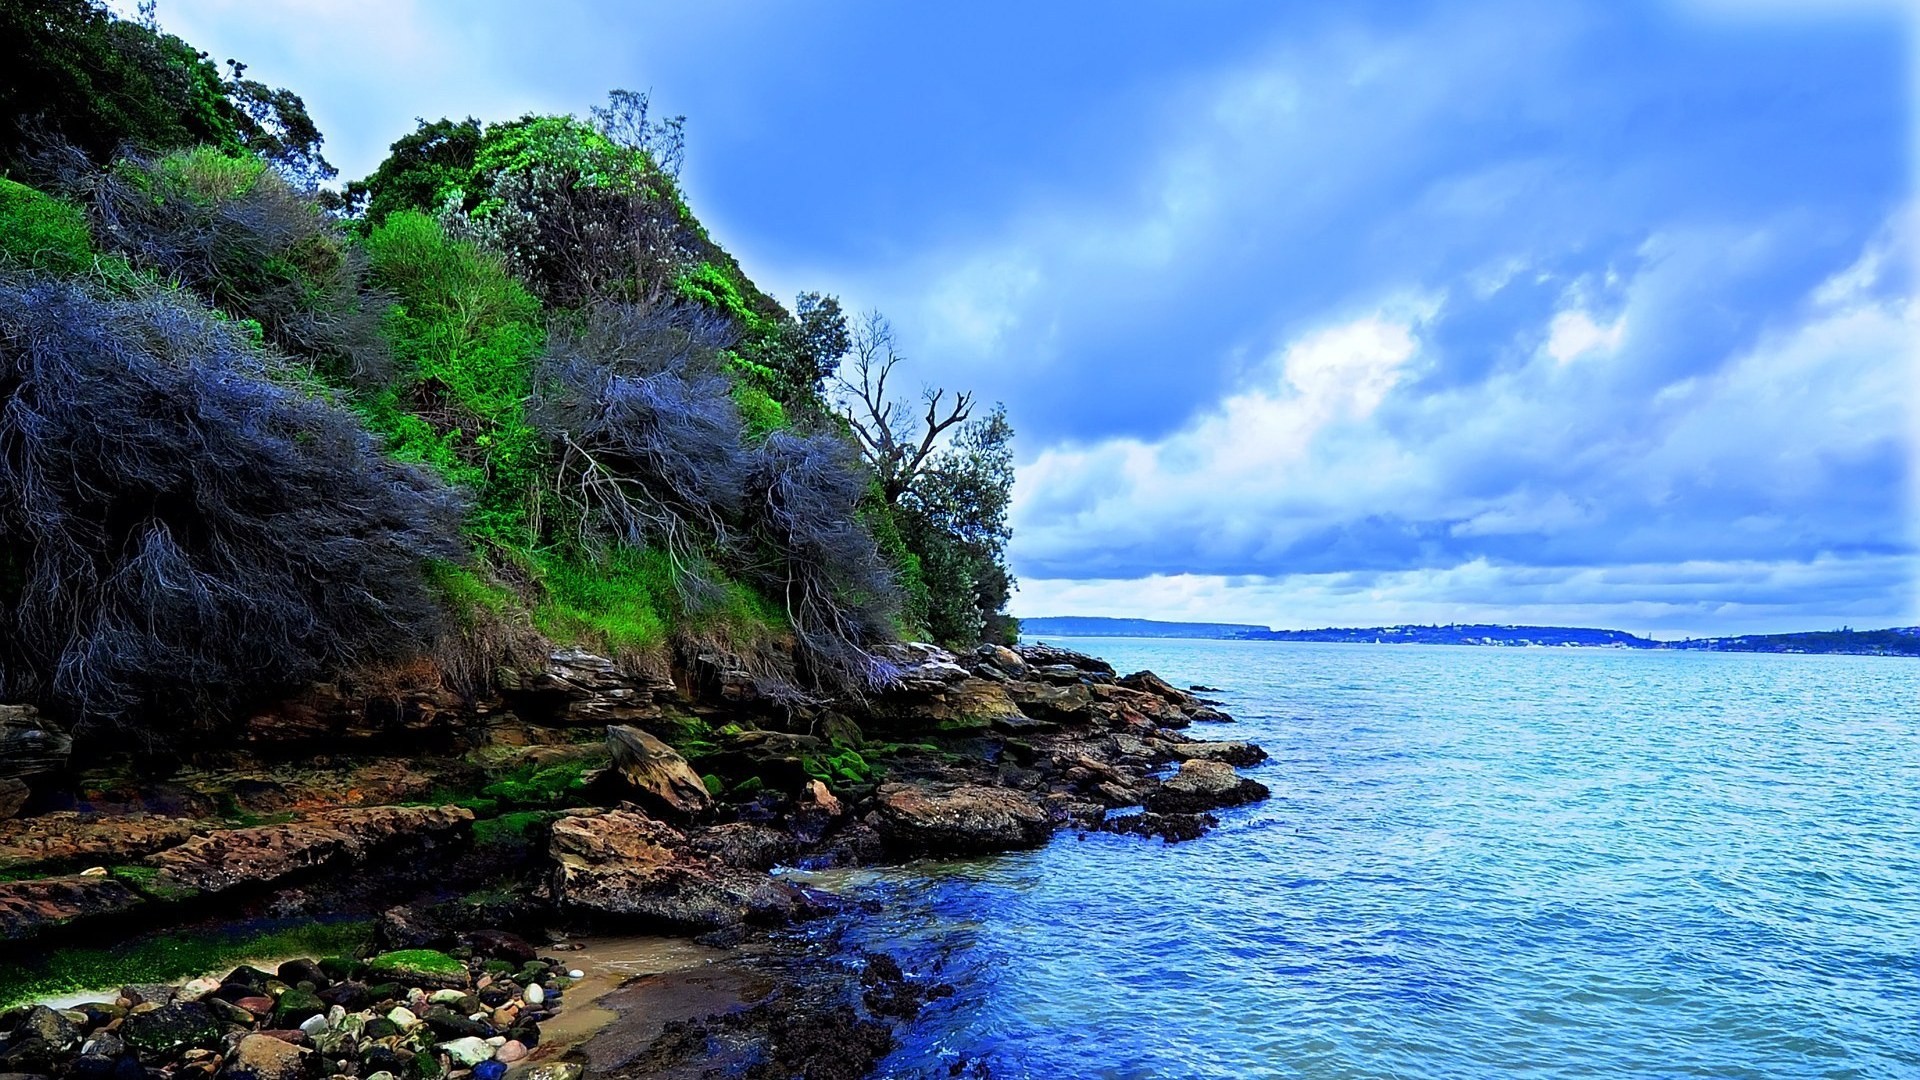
(314,1026)
(745,846)
(1203,785)
(170,1029)
(14,794)
(467,1052)
(1232,753)
(657,775)
(624,865)
(1043,655)
(964,820)
(1173,828)
(815,812)
(257,1006)
(500,945)
(29,744)
(448,1024)
(268,1058)
(775,757)
(490,1070)
(534,994)
(295,972)
(53,1028)
(579,688)
(510,1051)
(31,907)
(267,853)
(195,989)
(295,1006)
(1047,701)
(410,926)
(425,968)
(403,1018)
(555,1070)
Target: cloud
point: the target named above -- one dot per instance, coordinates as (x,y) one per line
(1790,449)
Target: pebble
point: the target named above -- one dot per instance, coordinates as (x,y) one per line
(446,997)
(315,1026)
(535,994)
(197,989)
(489,1070)
(468,1051)
(403,1018)
(576,973)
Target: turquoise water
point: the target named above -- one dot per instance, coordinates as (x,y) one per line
(1477,862)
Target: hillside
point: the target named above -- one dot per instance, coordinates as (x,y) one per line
(1089,626)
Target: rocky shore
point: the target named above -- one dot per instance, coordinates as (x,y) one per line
(581,799)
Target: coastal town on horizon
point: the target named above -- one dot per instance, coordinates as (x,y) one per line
(1890,641)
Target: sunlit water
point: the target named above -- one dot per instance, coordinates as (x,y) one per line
(1477,862)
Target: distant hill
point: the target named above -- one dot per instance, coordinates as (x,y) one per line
(1087,626)
(1896,641)
(1464,634)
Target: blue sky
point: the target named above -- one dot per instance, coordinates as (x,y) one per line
(1311,313)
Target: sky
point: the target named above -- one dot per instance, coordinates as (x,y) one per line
(1306,314)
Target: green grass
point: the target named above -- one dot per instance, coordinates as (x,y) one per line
(39,232)
(513,829)
(467,335)
(171,958)
(621,601)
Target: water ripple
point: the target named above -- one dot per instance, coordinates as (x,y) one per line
(1535,863)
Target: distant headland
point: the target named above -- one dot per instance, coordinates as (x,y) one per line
(1894,641)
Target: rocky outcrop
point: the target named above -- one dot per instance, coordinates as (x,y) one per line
(81,840)
(1233,753)
(969,819)
(33,907)
(655,774)
(266,854)
(1203,785)
(29,744)
(622,866)
(578,688)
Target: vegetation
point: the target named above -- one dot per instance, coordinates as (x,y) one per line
(168,958)
(505,389)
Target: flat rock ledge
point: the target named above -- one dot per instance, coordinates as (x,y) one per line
(965,820)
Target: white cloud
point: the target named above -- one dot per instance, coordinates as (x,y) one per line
(1574,334)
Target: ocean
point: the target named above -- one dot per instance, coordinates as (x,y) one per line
(1477,862)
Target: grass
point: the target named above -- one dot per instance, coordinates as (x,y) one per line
(172,957)
(39,232)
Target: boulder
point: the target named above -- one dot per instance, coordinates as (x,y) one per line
(745,846)
(1068,702)
(660,779)
(962,820)
(34,906)
(268,1058)
(1203,785)
(169,1029)
(624,866)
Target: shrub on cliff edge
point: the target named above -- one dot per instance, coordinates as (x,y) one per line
(177,530)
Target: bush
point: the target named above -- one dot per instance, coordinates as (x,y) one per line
(236,233)
(819,561)
(39,232)
(178,531)
(466,335)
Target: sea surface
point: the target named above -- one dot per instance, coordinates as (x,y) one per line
(1478,862)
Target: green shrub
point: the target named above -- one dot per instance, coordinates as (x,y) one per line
(466,335)
(39,232)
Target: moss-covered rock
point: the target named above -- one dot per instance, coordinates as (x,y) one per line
(170,1029)
(419,967)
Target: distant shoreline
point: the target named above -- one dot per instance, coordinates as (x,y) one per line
(1894,641)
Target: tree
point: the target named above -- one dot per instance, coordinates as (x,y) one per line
(895,440)
(944,478)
